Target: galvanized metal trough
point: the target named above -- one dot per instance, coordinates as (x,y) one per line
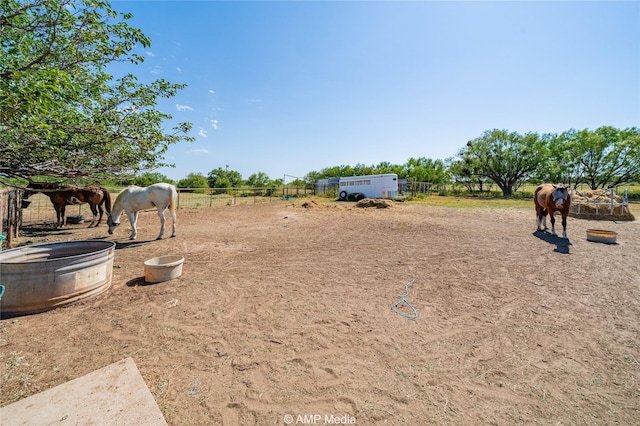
(42,277)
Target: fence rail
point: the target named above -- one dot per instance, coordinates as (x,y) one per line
(40,210)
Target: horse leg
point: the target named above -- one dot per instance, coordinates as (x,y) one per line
(173,222)
(564,225)
(101,210)
(60,216)
(162,220)
(553,223)
(133,218)
(538,217)
(95,215)
(542,218)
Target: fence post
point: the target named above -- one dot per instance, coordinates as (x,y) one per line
(611,211)
(1,210)
(12,223)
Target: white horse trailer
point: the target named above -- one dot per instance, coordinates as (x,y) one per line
(356,188)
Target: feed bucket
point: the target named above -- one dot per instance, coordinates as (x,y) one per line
(75,220)
(601,236)
(163,268)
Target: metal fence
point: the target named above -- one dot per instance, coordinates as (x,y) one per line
(195,198)
(41,211)
(10,215)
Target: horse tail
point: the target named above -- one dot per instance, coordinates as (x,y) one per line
(535,196)
(538,189)
(172,208)
(107,201)
(174,199)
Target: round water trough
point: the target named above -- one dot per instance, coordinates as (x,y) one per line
(163,268)
(42,277)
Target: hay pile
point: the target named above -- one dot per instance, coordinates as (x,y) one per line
(586,201)
(374,202)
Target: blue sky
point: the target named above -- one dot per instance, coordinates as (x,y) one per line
(288,87)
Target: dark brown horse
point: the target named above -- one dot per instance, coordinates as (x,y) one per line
(63,195)
(549,199)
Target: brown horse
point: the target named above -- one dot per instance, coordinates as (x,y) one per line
(550,198)
(63,195)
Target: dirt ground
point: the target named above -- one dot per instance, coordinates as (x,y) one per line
(283,312)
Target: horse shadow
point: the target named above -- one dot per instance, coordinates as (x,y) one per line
(42,231)
(562,244)
(130,244)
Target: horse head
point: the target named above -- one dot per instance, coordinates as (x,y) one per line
(111,222)
(560,195)
(28,193)
(34,188)
(37,187)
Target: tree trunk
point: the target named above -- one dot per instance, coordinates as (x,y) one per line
(507,190)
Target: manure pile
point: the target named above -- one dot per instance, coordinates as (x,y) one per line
(374,202)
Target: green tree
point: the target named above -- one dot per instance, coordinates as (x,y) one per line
(506,158)
(312,177)
(337,171)
(559,165)
(224,178)
(297,183)
(466,171)
(602,158)
(357,170)
(61,113)
(193,180)
(361,170)
(149,178)
(424,170)
(258,180)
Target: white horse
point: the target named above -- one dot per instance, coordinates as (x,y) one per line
(134,198)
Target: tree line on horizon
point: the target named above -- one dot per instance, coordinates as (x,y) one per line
(601,158)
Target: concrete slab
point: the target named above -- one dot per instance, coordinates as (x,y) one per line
(113,395)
